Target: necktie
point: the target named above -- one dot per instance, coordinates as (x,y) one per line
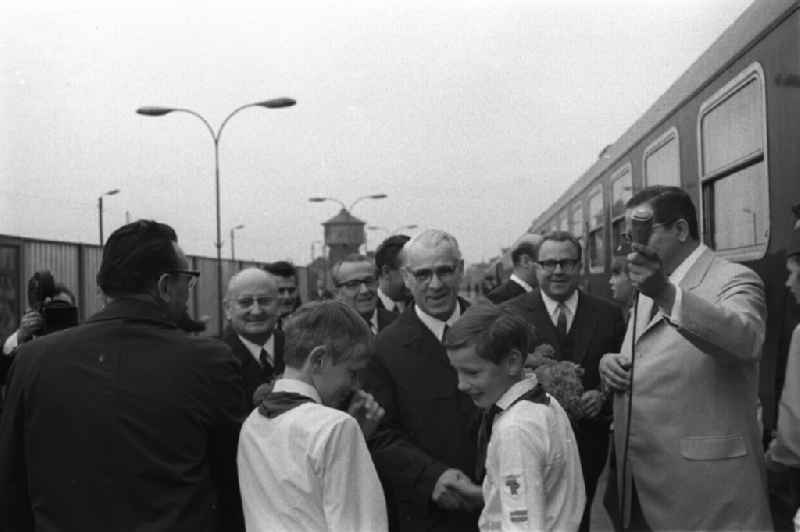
(561,320)
(444,332)
(266,365)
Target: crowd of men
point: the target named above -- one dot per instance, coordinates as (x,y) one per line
(398,405)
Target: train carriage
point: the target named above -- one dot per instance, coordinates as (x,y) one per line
(727,131)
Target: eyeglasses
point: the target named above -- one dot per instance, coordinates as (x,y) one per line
(425,275)
(247,301)
(627,236)
(566,264)
(355,284)
(193,275)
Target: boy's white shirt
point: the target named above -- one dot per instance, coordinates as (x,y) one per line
(308,469)
(533,472)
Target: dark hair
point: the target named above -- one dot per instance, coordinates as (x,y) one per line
(352,257)
(561,236)
(388,251)
(524,248)
(134,257)
(493,330)
(669,204)
(330,323)
(281,268)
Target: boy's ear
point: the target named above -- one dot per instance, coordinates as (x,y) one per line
(514,362)
(316,358)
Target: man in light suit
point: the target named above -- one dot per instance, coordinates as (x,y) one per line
(523,278)
(694,460)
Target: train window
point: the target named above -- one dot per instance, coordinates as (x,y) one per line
(621,192)
(596,242)
(563,222)
(662,165)
(735,207)
(576,220)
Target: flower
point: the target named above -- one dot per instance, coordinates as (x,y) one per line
(559,378)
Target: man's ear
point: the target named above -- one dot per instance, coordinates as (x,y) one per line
(683,229)
(162,287)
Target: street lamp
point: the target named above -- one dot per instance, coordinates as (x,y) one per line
(233,249)
(100,209)
(275,103)
(320,199)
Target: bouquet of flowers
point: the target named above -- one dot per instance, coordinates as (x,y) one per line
(561,379)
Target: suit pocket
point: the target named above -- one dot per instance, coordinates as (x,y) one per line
(713,447)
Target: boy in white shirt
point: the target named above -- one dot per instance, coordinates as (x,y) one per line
(303,464)
(533,478)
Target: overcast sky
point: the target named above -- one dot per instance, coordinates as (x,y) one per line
(471,116)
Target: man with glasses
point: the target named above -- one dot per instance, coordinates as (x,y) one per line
(694,451)
(426,448)
(355,280)
(252,310)
(581,328)
(124,422)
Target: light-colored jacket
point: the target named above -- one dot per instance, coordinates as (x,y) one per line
(695,447)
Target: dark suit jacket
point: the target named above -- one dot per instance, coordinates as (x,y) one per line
(429,425)
(122,423)
(385,317)
(253,375)
(598,328)
(508,290)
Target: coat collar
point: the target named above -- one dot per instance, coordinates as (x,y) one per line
(134,309)
(415,329)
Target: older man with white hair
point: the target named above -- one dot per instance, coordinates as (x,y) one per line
(426,449)
(252,307)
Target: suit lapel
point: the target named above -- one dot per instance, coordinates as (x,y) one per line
(583,326)
(541,320)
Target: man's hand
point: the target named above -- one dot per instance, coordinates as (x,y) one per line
(614,371)
(592,403)
(30,323)
(446,491)
(645,271)
(367,412)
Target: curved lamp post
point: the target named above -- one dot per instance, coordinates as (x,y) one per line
(233,248)
(100,209)
(275,103)
(320,199)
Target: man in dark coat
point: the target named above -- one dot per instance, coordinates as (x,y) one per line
(523,278)
(356,281)
(124,422)
(252,307)
(393,294)
(581,328)
(427,444)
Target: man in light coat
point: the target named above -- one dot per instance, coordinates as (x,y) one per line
(694,460)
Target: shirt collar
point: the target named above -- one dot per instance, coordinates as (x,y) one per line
(255,349)
(296,386)
(551,304)
(683,268)
(388,303)
(435,325)
(514,277)
(515,391)
(373,321)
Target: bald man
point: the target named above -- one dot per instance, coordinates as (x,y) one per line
(252,309)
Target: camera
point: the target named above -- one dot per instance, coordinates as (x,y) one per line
(56,314)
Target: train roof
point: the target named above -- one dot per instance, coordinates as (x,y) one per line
(760,17)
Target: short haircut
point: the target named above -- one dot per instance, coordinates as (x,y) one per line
(281,268)
(669,204)
(330,323)
(431,238)
(619,265)
(352,257)
(135,256)
(562,236)
(493,330)
(389,250)
(524,248)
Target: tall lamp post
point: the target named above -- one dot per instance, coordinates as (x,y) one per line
(233,247)
(275,103)
(100,209)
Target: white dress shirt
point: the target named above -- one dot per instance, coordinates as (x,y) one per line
(571,304)
(255,349)
(435,325)
(389,303)
(533,477)
(308,469)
